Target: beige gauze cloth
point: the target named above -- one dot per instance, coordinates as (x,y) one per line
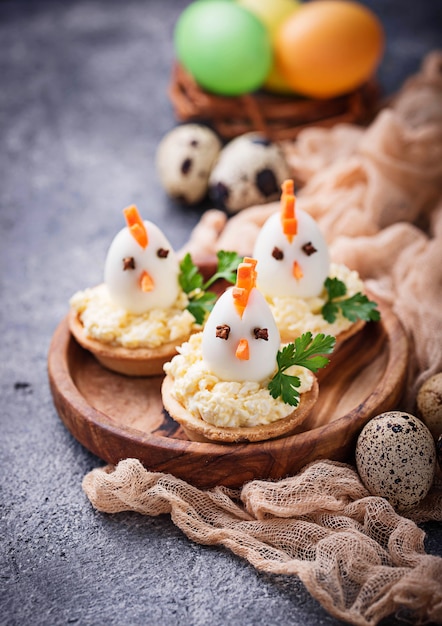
(377,195)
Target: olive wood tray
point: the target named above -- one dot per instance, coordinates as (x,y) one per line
(118,417)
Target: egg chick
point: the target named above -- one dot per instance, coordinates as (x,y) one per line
(291,252)
(307,292)
(240,339)
(219,388)
(141,268)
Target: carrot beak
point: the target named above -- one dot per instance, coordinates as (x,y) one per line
(297,271)
(242,351)
(146,282)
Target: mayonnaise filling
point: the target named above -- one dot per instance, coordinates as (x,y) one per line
(295,316)
(110,324)
(221,403)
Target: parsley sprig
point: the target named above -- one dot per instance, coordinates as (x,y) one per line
(353,308)
(192,282)
(306,351)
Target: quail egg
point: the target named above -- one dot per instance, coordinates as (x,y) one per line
(249,170)
(396,458)
(184,159)
(429,404)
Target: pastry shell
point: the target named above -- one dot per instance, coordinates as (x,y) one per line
(128,361)
(197,429)
(355,328)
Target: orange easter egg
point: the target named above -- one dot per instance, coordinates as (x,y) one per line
(328,47)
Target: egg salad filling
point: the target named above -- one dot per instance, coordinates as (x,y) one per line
(106,322)
(221,403)
(294,316)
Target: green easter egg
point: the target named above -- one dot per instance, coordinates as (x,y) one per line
(223,46)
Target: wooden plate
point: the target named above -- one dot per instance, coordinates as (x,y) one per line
(117,417)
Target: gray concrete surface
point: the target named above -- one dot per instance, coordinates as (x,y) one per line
(83,106)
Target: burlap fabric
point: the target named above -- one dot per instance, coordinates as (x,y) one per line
(377,195)
(358,557)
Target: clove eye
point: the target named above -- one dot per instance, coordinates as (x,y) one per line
(223,331)
(277,253)
(186,166)
(309,248)
(162,253)
(128,263)
(261,333)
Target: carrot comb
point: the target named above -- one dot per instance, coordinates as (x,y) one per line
(136,225)
(288,217)
(245,282)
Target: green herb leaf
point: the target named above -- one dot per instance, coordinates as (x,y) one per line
(201,305)
(189,277)
(330,312)
(310,351)
(284,387)
(360,307)
(306,351)
(227,265)
(191,280)
(353,308)
(335,288)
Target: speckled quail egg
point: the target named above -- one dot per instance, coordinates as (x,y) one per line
(249,170)
(396,458)
(184,159)
(429,404)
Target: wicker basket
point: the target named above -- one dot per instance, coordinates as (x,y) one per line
(278,117)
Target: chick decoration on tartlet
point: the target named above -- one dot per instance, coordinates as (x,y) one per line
(133,322)
(232,382)
(304,289)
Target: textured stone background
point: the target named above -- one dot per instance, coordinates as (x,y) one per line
(83,106)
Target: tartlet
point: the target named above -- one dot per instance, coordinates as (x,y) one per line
(134,321)
(234,381)
(128,361)
(197,429)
